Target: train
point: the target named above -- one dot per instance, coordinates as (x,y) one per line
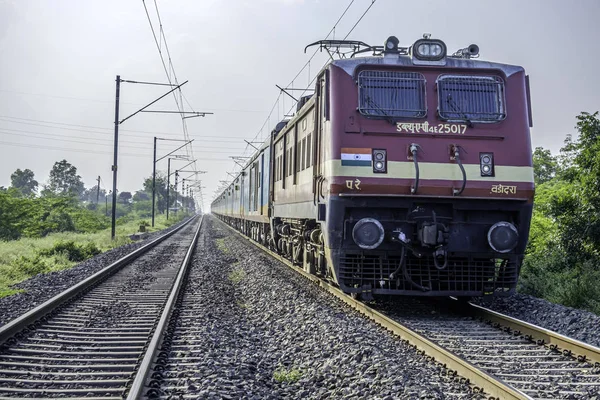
(407,171)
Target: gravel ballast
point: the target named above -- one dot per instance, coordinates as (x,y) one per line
(100,336)
(252,328)
(576,324)
(43,287)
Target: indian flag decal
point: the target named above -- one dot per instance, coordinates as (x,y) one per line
(356,157)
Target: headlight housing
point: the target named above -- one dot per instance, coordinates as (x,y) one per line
(368,233)
(429,49)
(503,237)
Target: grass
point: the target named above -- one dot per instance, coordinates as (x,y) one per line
(221,245)
(21,259)
(237,275)
(290,376)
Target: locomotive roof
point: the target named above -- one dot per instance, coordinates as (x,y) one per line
(350,64)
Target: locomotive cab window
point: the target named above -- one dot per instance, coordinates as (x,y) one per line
(391,94)
(471,98)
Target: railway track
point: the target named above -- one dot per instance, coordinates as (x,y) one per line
(539,363)
(96,339)
(501,357)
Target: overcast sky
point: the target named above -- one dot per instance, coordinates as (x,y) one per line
(59,59)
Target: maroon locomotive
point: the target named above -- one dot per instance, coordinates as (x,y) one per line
(407,172)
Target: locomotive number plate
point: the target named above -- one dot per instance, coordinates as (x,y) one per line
(425,127)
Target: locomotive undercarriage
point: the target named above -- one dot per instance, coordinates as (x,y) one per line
(298,240)
(428,248)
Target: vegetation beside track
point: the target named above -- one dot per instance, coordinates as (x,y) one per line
(65,223)
(287,375)
(563,257)
(21,259)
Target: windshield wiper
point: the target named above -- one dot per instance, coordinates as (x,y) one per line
(457,110)
(387,116)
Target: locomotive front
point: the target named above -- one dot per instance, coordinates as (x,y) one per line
(427,172)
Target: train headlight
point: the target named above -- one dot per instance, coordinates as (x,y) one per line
(503,237)
(486,164)
(391,45)
(368,233)
(379,161)
(429,49)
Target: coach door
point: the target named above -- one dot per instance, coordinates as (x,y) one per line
(317,145)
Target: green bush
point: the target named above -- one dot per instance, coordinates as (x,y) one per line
(58,221)
(89,221)
(72,251)
(553,276)
(143,208)
(30,266)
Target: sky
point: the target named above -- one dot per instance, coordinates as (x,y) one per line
(59,60)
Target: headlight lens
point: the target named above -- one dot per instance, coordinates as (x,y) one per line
(428,49)
(368,233)
(503,237)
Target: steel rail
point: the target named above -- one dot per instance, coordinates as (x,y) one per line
(481,381)
(20,323)
(555,341)
(138,385)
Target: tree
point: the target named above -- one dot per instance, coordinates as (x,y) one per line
(545,165)
(141,195)
(23,181)
(160,190)
(125,197)
(91,195)
(562,264)
(64,180)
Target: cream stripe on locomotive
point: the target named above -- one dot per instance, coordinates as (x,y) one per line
(444,171)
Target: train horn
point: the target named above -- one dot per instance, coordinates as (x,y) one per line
(467,52)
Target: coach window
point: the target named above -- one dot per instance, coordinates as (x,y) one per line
(308,151)
(303,154)
(297,151)
(251,190)
(298,156)
(260,182)
(256,186)
(326,102)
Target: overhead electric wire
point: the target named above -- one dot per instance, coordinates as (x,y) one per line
(138,145)
(142,155)
(360,19)
(234,138)
(180,107)
(296,76)
(345,37)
